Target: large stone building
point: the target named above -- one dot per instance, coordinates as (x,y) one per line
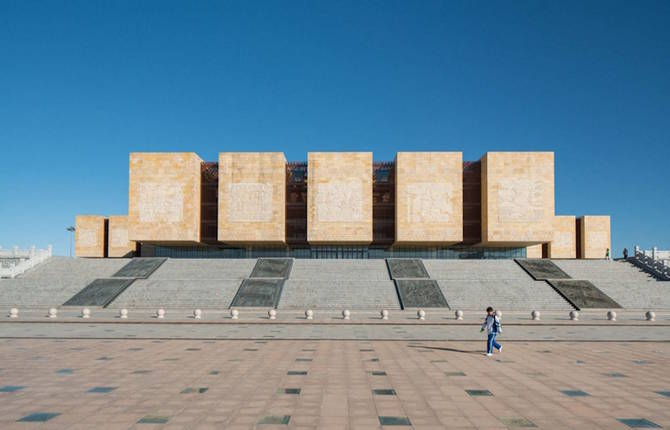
(343,205)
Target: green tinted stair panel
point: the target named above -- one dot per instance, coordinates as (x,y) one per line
(139,268)
(258,293)
(420,293)
(100,292)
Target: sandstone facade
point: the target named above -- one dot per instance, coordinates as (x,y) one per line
(429,198)
(564,243)
(89,236)
(164,197)
(517,198)
(252,197)
(118,244)
(339,197)
(595,236)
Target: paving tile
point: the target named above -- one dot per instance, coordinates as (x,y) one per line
(478,393)
(153,419)
(275,419)
(394,421)
(575,393)
(639,423)
(39,417)
(11,388)
(101,389)
(517,422)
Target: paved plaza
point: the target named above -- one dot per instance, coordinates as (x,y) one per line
(95,375)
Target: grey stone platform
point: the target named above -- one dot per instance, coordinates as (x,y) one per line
(258,293)
(141,267)
(100,292)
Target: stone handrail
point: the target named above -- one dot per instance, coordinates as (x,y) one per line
(23,259)
(652,263)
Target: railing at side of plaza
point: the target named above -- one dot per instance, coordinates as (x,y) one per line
(653,261)
(16,261)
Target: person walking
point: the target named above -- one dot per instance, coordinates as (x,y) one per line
(492,327)
(607,254)
(625,253)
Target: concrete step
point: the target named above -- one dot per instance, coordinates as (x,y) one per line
(501,294)
(300,294)
(153,294)
(194,268)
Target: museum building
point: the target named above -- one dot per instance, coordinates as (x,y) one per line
(342,205)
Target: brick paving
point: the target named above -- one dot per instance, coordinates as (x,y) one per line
(330,384)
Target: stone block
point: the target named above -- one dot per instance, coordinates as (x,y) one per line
(164,197)
(118,244)
(517,198)
(429,198)
(595,236)
(534,251)
(339,197)
(564,243)
(89,237)
(252,197)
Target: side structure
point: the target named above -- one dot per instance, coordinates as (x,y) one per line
(595,236)
(118,244)
(89,236)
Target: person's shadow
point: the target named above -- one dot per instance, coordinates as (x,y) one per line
(462,351)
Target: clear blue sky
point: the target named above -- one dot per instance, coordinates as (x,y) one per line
(83,83)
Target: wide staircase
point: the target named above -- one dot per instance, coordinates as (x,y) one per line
(503,284)
(327,284)
(339,284)
(623,282)
(187,283)
(55,281)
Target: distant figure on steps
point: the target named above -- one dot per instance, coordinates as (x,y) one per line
(492,327)
(607,254)
(625,253)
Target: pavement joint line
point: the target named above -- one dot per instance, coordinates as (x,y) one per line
(604,323)
(354,339)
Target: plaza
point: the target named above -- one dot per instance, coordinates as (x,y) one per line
(332,374)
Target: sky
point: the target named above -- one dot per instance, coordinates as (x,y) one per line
(84,83)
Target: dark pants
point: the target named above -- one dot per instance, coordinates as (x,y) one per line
(491,343)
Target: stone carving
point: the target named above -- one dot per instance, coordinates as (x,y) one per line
(520,200)
(339,201)
(250,202)
(87,238)
(161,202)
(429,202)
